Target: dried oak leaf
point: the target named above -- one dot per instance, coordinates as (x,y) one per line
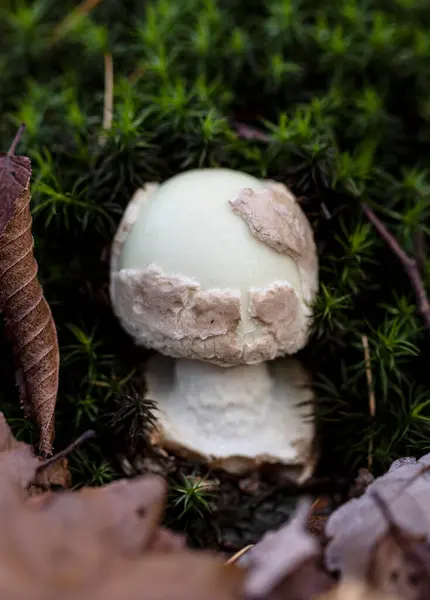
(19,467)
(399,562)
(57,474)
(186,575)
(104,543)
(355,590)
(29,324)
(365,545)
(286,563)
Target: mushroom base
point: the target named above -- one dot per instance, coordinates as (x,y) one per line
(235,418)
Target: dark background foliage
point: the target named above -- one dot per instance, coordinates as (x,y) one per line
(341,90)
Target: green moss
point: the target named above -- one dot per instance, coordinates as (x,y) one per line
(340,87)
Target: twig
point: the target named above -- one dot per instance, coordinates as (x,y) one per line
(67,24)
(16,140)
(108,96)
(419,243)
(372,401)
(64,453)
(233,559)
(409,264)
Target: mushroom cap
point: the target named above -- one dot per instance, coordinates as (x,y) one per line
(216,265)
(235,419)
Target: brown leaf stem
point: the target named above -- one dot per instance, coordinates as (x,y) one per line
(409,264)
(16,140)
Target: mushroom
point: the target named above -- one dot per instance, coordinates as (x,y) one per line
(217,266)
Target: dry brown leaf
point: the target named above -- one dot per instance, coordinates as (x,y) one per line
(394,570)
(287,563)
(355,590)
(105,543)
(354,528)
(399,562)
(184,576)
(165,540)
(316,525)
(29,324)
(74,545)
(18,466)
(57,474)
(21,472)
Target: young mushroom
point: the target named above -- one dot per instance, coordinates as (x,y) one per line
(217,266)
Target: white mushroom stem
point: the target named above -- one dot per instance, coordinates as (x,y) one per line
(233,418)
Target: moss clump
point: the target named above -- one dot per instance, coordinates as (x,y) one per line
(340,91)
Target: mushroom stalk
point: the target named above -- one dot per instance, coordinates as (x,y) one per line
(234,418)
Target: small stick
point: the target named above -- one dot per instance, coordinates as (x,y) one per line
(64,453)
(108,96)
(409,264)
(420,251)
(372,401)
(233,559)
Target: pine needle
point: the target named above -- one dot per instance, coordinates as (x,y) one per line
(409,264)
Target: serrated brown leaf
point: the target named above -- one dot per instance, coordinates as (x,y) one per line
(15,173)
(287,563)
(29,324)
